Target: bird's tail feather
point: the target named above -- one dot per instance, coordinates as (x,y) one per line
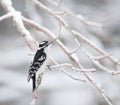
(34,82)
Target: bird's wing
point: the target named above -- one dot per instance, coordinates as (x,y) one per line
(37,62)
(37,55)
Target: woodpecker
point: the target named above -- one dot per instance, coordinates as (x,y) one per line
(39,62)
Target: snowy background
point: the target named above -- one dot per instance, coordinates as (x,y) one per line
(57,88)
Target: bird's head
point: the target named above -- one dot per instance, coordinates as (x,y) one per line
(44,44)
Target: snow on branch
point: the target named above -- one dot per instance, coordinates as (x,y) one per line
(19,20)
(74,32)
(5,16)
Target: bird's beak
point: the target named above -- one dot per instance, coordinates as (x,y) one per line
(49,43)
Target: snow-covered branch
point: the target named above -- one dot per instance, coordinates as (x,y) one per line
(19,20)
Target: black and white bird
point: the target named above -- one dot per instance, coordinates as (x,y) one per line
(39,62)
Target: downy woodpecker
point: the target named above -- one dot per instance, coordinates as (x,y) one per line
(39,62)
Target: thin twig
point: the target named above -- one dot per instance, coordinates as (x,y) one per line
(96,63)
(114,60)
(76,49)
(77,16)
(68,74)
(67,65)
(99,58)
(6,16)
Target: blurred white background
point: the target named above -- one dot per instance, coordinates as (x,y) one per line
(56,87)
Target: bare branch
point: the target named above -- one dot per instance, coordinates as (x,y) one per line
(79,45)
(35,92)
(114,60)
(116,73)
(17,19)
(56,5)
(96,63)
(68,74)
(99,58)
(71,76)
(78,16)
(6,16)
(67,65)
(46,9)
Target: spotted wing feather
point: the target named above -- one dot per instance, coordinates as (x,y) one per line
(37,62)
